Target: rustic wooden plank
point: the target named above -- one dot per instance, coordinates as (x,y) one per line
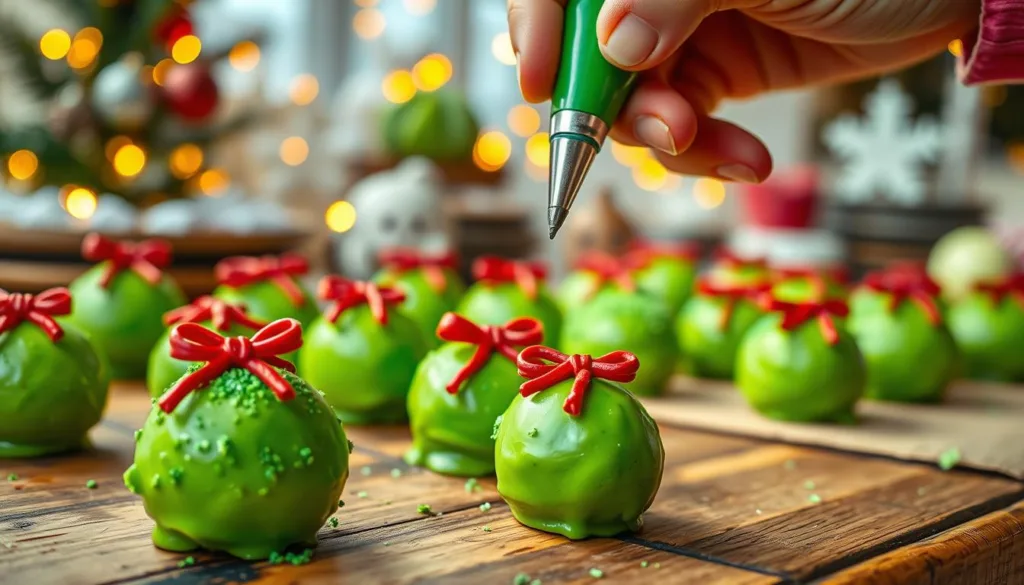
(985,551)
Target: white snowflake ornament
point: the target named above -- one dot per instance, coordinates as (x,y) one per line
(884,152)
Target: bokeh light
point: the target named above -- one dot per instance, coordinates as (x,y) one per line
(55,44)
(294,151)
(956,47)
(523,120)
(432,72)
(650,175)
(186,49)
(629,156)
(538,150)
(22,164)
(419,7)
(501,48)
(398,86)
(303,89)
(214,182)
(708,193)
(160,71)
(129,160)
(186,160)
(492,150)
(340,216)
(369,23)
(80,203)
(244,56)
(85,48)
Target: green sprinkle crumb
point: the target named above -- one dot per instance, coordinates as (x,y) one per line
(486,528)
(656,565)
(597,573)
(386,543)
(396,473)
(275,558)
(808,485)
(536,582)
(532,432)
(138,435)
(291,558)
(814,499)
(643,564)
(91,484)
(472,485)
(497,425)
(365,470)
(186,562)
(424,509)
(12,477)
(521,579)
(949,458)
(484,507)
(362,495)
(333,522)
(790,464)
(341,503)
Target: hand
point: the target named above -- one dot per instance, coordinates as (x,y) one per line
(695,53)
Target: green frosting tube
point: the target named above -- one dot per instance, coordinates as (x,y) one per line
(235,469)
(498,303)
(423,304)
(362,367)
(51,393)
(709,330)
(452,433)
(990,334)
(797,375)
(579,476)
(124,320)
(266,301)
(616,319)
(896,342)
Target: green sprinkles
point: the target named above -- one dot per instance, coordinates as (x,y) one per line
(486,528)
(597,573)
(362,495)
(472,485)
(814,499)
(484,507)
(186,562)
(396,473)
(291,558)
(365,470)
(333,522)
(424,509)
(532,432)
(12,477)
(341,503)
(643,564)
(949,458)
(808,485)
(91,484)
(521,579)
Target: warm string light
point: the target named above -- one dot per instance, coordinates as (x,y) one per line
(629,156)
(650,175)
(369,23)
(398,86)
(160,71)
(956,47)
(213,182)
(523,120)
(491,151)
(55,44)
(501,48)
(303,89)
(185,161)
(186,49)
(79,202)
(22,164)
(340,216)
(419,7)
(85,48)
(708,193)
(244,56)
(129,160)
(115,144)
(294,151)
(538,150)
(432,72)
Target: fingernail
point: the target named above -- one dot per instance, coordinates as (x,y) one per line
(632,41)
(519,74)
(739,173)
(655,133)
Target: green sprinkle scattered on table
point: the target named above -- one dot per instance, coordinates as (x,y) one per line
(91,484)
(808,485)
(485,506)
(362,495)
(386,543)
(597,573)
(186,562)
(814,499)
(365,470)
(396,473)
(949,458)
(644,564)
(12,477)
(472,485)
(536,582)
(424,509)
(521,579)
(486,528)
(341,503)
(333,522)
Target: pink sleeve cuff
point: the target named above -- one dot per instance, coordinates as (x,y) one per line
(996,53)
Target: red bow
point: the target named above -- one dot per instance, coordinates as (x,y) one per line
(617,366)
(728,258)
(405,259)
(837,274)
(488,339)
(642,253)
(796,314)
(732,295)
(281,270)
(258,354)
(207,308)
(902,286)
(491,269)
(36,309)
(607,269)
(145,258)
(346,294)
(916,273)
(1012,286)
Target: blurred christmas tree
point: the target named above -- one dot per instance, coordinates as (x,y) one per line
(109,96)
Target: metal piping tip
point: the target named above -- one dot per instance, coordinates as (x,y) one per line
(571,158)
(556,217)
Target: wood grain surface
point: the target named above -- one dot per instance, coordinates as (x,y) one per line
(730,510)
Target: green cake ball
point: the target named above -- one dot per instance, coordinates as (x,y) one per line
(909,352)
(798,286)
(584,466)
(617,318)
(119,303)
(730,270)
(988,326)
(225,318)
(362,354)
(711,325)
(460,389)
(800,364)
(430,284)
(594,272)
(507,290)
(668,274)
(240,455)
(53,382)
(268,287)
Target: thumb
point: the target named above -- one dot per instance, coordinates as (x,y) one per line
(641,34)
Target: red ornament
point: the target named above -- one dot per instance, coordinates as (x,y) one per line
(617,366)
(495,270)
(258,354)
(145,258)
(39,310)
(789,199)
(223,315)
(1012,286)
(796,314)
(190,91)
(346,294)
(607,269)
(172,27)
(405,259)
(903,286)
(732,295)
(240,271)
(488,339)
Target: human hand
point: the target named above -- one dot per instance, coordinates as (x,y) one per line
(695,53)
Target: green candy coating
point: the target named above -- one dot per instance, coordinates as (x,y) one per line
(424,305)
(497,304)
(727,275)
(802,289)
(577,288)
(990,336)
(796,375)
(125,320)
(636,322)
(579,476)
(51,394)
(235,469)
(265,301)
(363,368)
(709,349)
(164,370)
(895,345)
(451,433)
(668,279)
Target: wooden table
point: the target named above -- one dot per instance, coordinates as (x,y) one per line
(730,510)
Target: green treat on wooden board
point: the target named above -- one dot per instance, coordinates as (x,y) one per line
(668,274)
(430,292)
(988,326)
(268,287)
(803,286)
(460,389)
(588,474)
(579,287)
(801,368)
(361,359)
(53,384)
(267,302)
(616,318)
(507,290)
(234,468)
(730,270)
(711,325)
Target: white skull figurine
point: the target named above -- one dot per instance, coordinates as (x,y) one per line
(396,208)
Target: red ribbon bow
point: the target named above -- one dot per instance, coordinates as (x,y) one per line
(491,269)
(405,259)
(281,270)
(145,258)
(902,286)
(796,314)
(258,354)
(1012,286)
(732,295)
(346,294)
(488,339)
(607,269)
(39,310)
(727,258)
(642,253)
(617,366)
(218,312)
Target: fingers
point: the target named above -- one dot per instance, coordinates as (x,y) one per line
(724,151)
(658,117)
(535,27)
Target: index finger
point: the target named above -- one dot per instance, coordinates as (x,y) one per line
(535,27)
